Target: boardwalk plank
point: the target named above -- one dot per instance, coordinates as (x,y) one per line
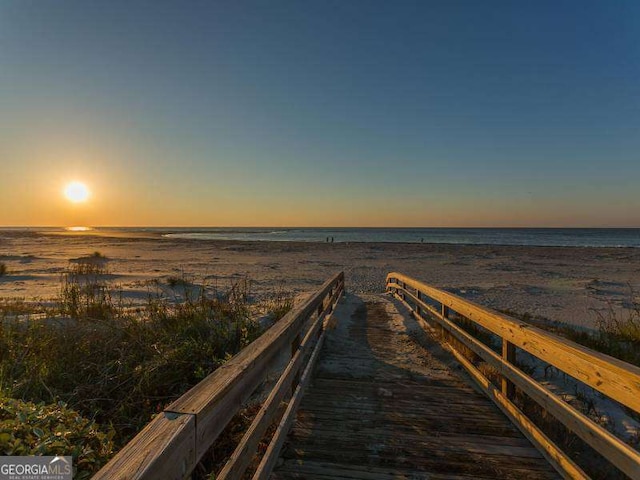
(382,407)
(307,469)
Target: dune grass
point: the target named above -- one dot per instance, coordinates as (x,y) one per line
(115,364)
(617,333)
(3,269)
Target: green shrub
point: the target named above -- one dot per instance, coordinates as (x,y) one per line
(37,429)
(175,282)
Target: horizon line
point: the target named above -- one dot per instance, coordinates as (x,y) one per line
(313,227)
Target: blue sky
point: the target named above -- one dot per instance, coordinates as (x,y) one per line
(332,113)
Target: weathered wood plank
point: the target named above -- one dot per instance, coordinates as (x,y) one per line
(372,473)
(388,420)
(508,355)
(416,423)
(243,454)
(611,447)
(271,455)
(481,443)
(438,461)
(173,447)
(615,378)
(218,397)
(165,448)
(556,457)
(343,470)
(201,398)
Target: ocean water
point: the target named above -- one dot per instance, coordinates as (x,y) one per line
(565,237)
(554,237)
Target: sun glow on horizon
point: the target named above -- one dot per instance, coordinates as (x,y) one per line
(76,192)
(78,229)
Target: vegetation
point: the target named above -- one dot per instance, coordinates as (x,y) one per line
(175,282)
(3,269)
(37,429)
(616,334)
(278,305)
(116,365)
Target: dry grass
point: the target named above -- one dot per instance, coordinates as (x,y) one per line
(116,365)
(617,333)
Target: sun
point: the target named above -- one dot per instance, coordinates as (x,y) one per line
(76,192)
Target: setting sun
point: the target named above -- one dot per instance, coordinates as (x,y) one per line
(76,192)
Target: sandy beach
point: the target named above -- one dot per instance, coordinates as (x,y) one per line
(565,284)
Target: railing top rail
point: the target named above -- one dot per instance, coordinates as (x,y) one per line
(617,379)
(210,390)
(171,445)
(611,376)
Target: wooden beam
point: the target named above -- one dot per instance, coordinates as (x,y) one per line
(508,355)
(554,455)
(174,448)
(610,376)
(165,448)
(611,447)
(218,397)
(273,451)
(243,454)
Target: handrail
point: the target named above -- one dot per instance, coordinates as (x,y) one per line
(610,376)
(172,444)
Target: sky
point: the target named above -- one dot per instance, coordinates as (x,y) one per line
(327,113)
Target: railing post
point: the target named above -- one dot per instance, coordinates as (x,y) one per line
(418,310)
(330,298)
(509,355)
(444,310)
(295,346)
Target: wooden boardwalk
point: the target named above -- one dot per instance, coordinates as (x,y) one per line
(384,404)
(386,401)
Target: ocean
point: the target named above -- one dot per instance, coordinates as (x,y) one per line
(547,237)
(561,237)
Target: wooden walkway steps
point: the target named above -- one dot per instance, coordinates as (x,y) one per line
(384,404)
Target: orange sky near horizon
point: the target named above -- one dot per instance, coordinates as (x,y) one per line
(125,192)
(126,206)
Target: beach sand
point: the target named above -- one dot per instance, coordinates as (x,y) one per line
(565,284)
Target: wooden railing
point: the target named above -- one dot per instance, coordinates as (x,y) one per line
(171,445)
(616,379)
